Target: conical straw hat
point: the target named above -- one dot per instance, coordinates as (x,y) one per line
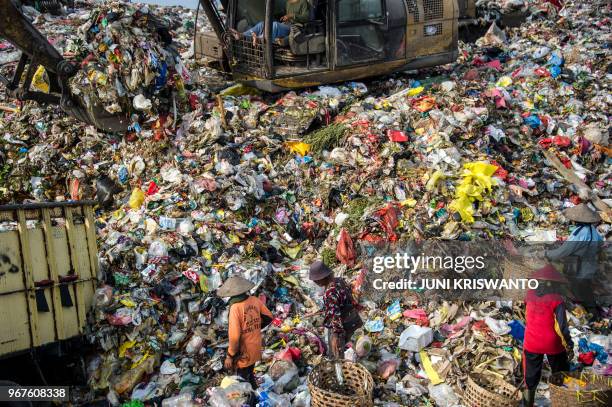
(234,286)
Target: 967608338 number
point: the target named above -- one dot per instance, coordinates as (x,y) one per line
(34,393)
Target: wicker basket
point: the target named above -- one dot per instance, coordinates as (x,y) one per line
(517,268)
(356,378)
(478,392)
(599,395)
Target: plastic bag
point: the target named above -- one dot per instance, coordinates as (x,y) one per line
(130,378)
(363,346)
(217,398)
(477,179)
(105,191)
(137,198)
(387,367)
(345,251)
(158,251)
(302,399)
(271,399)
(103,297)
(499,327)
(443,395)
(40,80)
(194,344)
(282,372)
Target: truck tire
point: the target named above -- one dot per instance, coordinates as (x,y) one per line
(14,403)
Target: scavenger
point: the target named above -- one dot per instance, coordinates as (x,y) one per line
(546,330)
(339,308)
(579,254)
(247,316)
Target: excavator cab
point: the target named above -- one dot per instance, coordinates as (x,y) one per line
(342,39)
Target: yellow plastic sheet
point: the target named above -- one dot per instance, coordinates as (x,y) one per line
(298,147)
(128,302)
(125,346)
(433,376)
(477,181)
(410,202)
(433,181)
(40,81)
(139,362)
(415,91)
(227,381)
(504,82)
(292,251)
(239,90)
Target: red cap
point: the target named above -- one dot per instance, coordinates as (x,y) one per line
(549,273)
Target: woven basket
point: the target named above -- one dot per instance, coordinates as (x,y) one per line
(599,395)
(516,268)
(356,378)
(478,392)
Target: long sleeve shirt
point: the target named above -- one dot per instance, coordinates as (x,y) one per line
(245,323)
(337,299)
(299,11)
(547,330)
(583,244)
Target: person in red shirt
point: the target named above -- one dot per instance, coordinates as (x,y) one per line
(247,316)
(546,331)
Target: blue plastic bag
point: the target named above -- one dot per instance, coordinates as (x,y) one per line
(555,71)
(375,325)
(556,59)
(600,353)
(532,121)
(517,330)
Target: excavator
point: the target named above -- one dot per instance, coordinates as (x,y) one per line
(343,40)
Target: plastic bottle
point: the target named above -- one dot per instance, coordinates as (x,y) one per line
(194,344)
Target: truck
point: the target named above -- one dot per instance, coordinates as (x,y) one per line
(48,273)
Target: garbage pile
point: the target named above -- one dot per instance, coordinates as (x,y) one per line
(457,152)
(128,66)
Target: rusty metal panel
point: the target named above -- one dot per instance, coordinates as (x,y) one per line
(26,257)
(208,45)
(58,311)
(14,329)
(65,268)
(43,306)
(39,245)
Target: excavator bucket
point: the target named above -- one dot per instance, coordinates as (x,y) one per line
(36,50)
(96,115)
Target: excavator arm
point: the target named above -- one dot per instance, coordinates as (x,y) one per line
(36,50)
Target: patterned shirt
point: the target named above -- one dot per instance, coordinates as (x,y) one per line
(334,299)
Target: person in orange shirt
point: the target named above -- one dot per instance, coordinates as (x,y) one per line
(247,316)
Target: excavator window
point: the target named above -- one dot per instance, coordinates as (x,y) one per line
(297,46)
(370,30)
